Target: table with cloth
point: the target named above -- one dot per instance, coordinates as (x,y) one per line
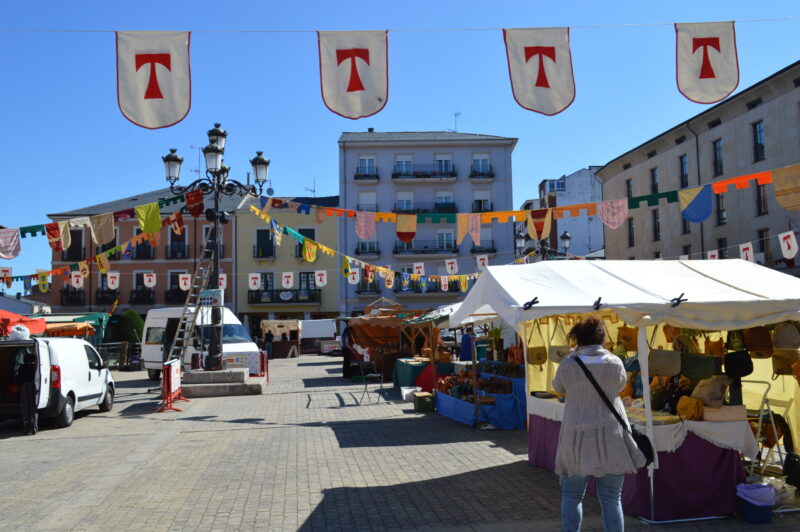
(407,370)
(501,414)
(699,463)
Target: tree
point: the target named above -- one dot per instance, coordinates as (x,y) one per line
(130,327)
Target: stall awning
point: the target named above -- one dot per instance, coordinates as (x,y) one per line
(9,319)
(70,329)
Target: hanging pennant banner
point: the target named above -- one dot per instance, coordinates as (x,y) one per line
(613,212)
(451,265)
(321,278)
(483,261)
(223,281)
(540,67)
(788,242)
(43,280)
(354,276)
(154,85)
(713,254)
(112,280)
(444,283)
(746,252)
(149,279)
(706,62)
(389,280)
(287,280)
(184,281)
(354,72)
(695,203)
(405,281)
(76,280)
(463,283)
(419,268)
(254,281)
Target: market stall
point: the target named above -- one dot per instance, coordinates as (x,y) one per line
(286,336)
(542,300)
(378,337)
(8,320)
(70,330)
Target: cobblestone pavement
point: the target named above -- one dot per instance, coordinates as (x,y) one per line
(305,455)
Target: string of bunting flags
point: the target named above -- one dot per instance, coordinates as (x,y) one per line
(154,84)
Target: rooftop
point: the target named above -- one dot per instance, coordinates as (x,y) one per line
(421,136)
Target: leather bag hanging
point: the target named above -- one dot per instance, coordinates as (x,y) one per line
(690,409)
(735,341)
(628,336)
(670,332)
(714,348)
(664,363)
(738,364)
(711,391)
(758,342)
(697,367)
(686,343)
(537,355)
(783,360)
(557,353)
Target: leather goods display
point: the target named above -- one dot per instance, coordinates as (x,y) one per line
(758,341)
(672,396)
(690,408)
(628,336)
(697,367)
(738,364)
(786,336)
(642,441)
(631,364)
(664,363)
(735,341)
(711,391)
(537,356)
(557,353)
(725,413)
(686,344)
(670,332)
(714,348)
(783,360)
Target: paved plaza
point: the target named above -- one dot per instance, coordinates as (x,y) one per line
(305,455)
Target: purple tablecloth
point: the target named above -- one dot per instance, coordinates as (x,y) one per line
(697,480)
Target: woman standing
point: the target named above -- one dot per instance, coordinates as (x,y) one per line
(592,443)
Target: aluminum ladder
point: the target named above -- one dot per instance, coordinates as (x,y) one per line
(185,330)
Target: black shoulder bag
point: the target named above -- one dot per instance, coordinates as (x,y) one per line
(642,441)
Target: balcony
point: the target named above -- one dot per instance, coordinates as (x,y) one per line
(481,173)
(72,297)
(433,288)
(277,297)
(368,207)
(73,254)
(407,207)
(143,296)
(425,172)
(177,250)
(263,252)
(175,296)
(486,246)
(364,175)
(106,297)
(143,252)
(482,206)
(425,247)
(368,288)
(367,248)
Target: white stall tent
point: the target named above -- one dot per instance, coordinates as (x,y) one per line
(318,328)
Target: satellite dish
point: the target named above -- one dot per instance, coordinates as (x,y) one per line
(270,192)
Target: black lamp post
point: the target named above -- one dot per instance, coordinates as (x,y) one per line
(216,183)
(565,240)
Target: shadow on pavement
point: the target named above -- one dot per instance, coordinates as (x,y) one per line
(325,363)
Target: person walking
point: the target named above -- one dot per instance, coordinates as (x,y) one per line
(592,443)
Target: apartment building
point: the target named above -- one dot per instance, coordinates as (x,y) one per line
(174,254)
(756,130)
(434,175)
(257,252)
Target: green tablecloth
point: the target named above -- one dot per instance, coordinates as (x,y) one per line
(406,371)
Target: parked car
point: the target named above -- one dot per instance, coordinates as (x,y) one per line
(72,377)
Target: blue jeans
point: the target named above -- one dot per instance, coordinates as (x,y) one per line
(609,491)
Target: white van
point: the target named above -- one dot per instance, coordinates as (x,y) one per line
(72,376)
(159,331)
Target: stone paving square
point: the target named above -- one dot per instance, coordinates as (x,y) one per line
(303,456)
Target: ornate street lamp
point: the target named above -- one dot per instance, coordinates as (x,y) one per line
(216,183)
(565,240)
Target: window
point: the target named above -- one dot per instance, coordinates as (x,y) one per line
(716,149)
(687,250)
(656,255)
(154,335)
(366,166)
(722,217)
(685,227)
(93,358)
(265,245)
(761,200)
(763,246)
(656,225)
(683,166)
(444,197)
(480,164)
(759,152)
(309,233)
(628,188)
(486,238)
(267,281)
(404,201)
(444,239)
(174,279)
(631,239)
(113,243)
(367,201)
(654,181)
(207,229)
(556,185)
(138,281)
(722,248)
(404,164)
(306,281)
(443,164)
(75,252)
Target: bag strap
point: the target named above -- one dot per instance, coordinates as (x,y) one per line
(602,394)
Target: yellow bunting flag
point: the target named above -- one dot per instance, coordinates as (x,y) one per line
(345,266)
(149,217)
(309,251)
(43,279)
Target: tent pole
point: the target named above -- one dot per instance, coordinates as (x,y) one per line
(475,378)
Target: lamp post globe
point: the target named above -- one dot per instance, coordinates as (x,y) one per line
(565,240)
(215,183)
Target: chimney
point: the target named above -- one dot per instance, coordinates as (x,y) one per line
(370,130)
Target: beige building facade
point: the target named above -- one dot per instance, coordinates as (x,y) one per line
(257,252)
(756,130)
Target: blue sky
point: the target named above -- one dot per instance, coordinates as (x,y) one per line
(68,145)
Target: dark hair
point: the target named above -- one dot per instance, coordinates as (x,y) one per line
(588,331)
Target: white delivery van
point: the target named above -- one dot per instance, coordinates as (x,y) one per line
(72,376)
(159,331)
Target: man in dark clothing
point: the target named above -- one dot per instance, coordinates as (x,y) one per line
(347,353)
(29,376)
(268,342)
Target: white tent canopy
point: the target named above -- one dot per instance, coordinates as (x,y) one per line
(719,294)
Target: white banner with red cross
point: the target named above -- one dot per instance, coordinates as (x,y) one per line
(451,265)
(76,280)
(788,242)
(149,279)
(287,280)
(540,68)
(707,66)
(354,275)
(418,268)
(354,71)
(482,261)
(321,278)
(746,252)
(112,280)
(154,85)
(254,281)
(184,281)
(223,281)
